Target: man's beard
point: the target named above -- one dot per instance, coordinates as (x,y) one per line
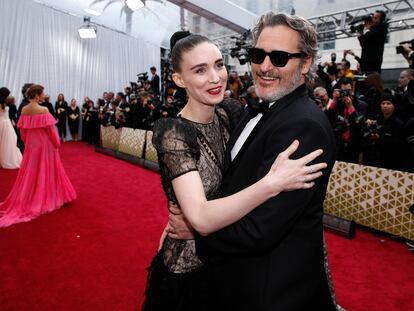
(291,84)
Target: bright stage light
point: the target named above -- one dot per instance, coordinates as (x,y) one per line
(135,4)
(87,32)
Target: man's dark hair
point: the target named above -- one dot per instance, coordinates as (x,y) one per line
(345,81)
(25,88)
(153,68)
(347,63)
(383,15)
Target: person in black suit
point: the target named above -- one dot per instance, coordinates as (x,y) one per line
(274,257)
(46,103)
(372,42)
(11,103)
(155,81)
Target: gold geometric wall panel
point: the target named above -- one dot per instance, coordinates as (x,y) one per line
(374,197)
(110,137)
(132,142)
(150,151)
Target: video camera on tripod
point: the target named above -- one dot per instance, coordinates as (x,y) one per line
(143,76)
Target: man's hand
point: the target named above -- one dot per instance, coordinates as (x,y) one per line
(178,227)
(347,101)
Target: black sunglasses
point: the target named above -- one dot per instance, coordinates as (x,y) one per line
(277,58)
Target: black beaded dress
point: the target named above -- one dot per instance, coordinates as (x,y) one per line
(177,279)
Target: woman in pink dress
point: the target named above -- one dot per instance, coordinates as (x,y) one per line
(42,184)
(10,156)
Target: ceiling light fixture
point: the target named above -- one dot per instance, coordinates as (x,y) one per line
(135,4)
(92,12)
(87,31)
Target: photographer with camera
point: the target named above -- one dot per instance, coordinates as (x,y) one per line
(384,144)
(123,109)
(346,121)
(321,96)
(168,109)
(145,111)
(328,73)
(372,39)
(155,81)
(406,49)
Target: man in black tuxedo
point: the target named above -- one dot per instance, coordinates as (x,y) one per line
(155,81)
(273,258)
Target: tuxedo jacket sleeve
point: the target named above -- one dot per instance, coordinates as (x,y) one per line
(266,226)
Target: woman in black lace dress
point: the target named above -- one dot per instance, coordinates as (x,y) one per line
(191,150)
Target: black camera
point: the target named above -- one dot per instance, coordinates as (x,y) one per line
(343,93)
(371,130)
(143,76)
(357,28)
(400,50)
(360,27)
(341,125)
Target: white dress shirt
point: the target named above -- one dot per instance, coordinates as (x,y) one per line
(245,134)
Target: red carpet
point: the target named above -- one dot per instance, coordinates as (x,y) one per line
(92,254)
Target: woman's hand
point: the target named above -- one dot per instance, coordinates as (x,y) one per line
(286,174)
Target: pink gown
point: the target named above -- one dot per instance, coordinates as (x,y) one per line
(42,184)
(10,156)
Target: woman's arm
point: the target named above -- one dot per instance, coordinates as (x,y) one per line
(53,135)
(209,216)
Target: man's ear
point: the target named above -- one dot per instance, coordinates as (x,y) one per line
(307,65)
(178,80)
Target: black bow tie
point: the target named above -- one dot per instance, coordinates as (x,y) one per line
(258,107)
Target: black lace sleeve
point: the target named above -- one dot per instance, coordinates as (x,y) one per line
(233,109)
(176,143)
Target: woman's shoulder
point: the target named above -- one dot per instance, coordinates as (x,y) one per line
(36,120)
(231,109)
(174,131)
(32,111)
(172,124)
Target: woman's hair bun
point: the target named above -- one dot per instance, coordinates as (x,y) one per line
(178,35)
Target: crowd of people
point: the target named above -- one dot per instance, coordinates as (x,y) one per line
(373,124)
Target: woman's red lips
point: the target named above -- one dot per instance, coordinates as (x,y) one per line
(215,91)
